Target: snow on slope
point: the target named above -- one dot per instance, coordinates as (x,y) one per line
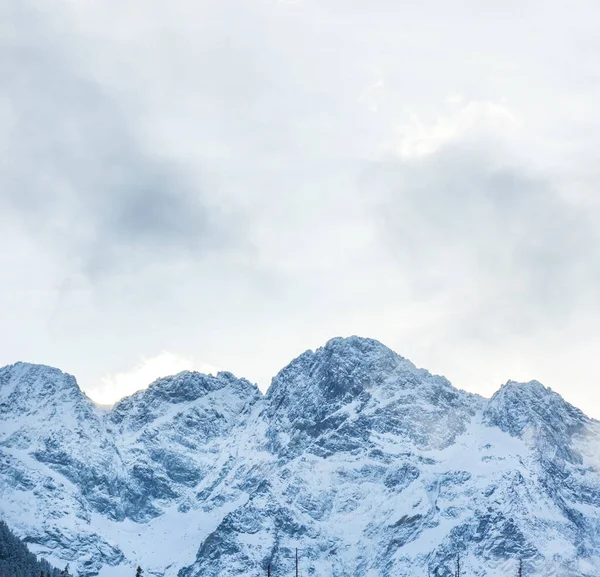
(365,463)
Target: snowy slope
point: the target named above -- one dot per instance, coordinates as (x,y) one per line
(365,463)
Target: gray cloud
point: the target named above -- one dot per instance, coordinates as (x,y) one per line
(500,243)
(76,174)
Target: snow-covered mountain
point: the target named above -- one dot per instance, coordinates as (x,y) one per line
(366,464)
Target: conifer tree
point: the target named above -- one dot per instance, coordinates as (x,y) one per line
(15,558)
(138,572)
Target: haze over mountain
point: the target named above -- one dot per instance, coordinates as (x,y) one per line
(365,463)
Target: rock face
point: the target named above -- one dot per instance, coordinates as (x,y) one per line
(354,456)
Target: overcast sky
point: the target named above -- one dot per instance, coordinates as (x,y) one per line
(223,184)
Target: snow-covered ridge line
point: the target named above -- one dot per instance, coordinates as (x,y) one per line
(362,460)
(21,367)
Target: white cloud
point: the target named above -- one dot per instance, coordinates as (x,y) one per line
(115,386)
(472,120)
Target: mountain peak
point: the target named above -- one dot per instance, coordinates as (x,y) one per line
(347,365)
(520,408)
(355,342)
(185,389)
(25,370)
(531,388)
(25,386)
(190,385)
(534,397)
(343,364)
(354,386)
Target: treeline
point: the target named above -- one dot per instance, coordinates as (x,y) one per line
(17,561)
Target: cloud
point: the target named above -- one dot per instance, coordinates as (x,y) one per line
(469,122)
(500,245)
(118,385)
(75,172)
(239,181)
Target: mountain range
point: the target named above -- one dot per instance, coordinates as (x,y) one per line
(366,464)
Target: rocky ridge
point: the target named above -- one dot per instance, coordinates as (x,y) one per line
(364,462)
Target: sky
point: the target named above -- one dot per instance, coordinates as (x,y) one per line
(222,184)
